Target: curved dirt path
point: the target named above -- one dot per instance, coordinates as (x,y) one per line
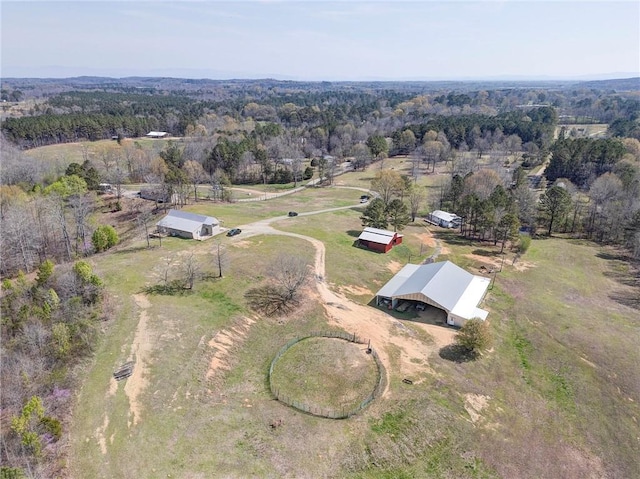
(383,330)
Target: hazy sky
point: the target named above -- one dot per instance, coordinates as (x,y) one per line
(321,40)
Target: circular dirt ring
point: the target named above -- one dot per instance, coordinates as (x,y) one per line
(329,377)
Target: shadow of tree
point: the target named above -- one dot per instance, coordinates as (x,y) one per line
(626,273)
(270,300)
(610,256)
(457,354)
(134,249)
(173,288)
(487,253)
(454,240)
(353,233)
(623,277)
(627,298)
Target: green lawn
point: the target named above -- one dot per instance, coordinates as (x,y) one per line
(309,199)
(348,265)
(561,385)
(562,372)
(325,374)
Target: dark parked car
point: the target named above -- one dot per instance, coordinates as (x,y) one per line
(293,213)
(234,231)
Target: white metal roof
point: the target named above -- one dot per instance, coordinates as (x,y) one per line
(454,289)
(377,235)
(185,221)
(467,306)
(443,215)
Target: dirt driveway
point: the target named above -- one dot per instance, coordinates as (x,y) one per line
(365,321)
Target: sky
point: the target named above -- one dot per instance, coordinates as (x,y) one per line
(347,40)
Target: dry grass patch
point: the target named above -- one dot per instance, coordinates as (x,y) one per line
(356,290)
(325,373)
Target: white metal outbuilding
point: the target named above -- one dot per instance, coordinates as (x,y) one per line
(188,225)
(444,219)
(443,285)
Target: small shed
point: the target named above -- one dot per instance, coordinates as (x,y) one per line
(378,239)
(157,194)
(444,219)
(188,225)
(157,134)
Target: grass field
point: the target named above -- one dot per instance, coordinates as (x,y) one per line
(76,152)
(586,130)
(557,396)
(325,373)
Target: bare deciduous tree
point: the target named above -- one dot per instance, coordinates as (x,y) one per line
(416,196)
(290,273)
(143,221)
(195,174)
(220,257)
(190,270)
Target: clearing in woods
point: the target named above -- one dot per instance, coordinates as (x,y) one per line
(561,341)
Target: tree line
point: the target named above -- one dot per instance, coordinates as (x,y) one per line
(54,223)
(532,126)
(48,325)
(47,129)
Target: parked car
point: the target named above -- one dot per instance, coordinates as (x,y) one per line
(293,213)
(421,306)
(234,231)
(403,306)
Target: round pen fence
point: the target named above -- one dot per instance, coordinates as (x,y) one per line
(324,411)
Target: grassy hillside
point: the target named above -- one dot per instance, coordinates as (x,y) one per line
(558,396)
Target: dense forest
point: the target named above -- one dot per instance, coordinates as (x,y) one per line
(266,131)
(101,110)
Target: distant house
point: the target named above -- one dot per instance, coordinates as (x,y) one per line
(379,240)
(158,194)
(442,285)
(444,219)
(188,225)
(157,134)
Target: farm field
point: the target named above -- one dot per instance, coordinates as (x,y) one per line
(76,152)
(557,396)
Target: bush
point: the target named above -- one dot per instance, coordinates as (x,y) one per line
(52,426)
(45,270)
(99,240)
(474,336)
(524,243)
(11,473)
(104,237)
(308,173)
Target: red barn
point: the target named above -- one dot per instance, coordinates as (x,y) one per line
(379,240)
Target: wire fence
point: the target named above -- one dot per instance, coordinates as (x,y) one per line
(322,411)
